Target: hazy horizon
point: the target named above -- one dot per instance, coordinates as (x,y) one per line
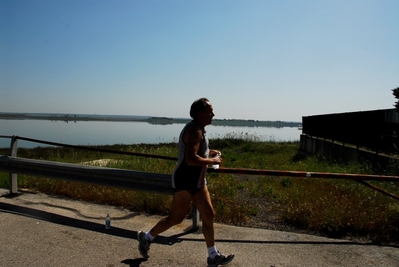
(117,115)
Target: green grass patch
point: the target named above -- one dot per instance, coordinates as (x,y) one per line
(335,207)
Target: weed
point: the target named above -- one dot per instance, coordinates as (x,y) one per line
(335,207)
(286,181)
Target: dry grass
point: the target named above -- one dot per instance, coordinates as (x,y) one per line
(336,208)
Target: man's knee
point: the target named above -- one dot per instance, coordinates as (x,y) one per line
(208,215)
(176,219)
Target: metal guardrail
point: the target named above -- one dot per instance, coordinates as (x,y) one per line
(136,180)
(118,178)
(111,177)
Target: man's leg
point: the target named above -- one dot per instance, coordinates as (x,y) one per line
(180,204)
(202,201)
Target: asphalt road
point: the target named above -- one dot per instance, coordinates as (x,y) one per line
(40,230)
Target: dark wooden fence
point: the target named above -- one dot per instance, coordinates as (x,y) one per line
(376,130)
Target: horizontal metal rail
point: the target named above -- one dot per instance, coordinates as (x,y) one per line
(360,178)
(119,178)
(111,177)
(152,182)
(89,148)
(304,174)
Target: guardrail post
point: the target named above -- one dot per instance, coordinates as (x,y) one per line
(195,219)
(13,176)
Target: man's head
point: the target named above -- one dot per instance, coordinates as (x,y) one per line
(202,111)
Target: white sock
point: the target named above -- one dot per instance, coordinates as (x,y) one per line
(212,252)
(148,236)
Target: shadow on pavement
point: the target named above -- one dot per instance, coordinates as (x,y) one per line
(97,227)
(134,262)
(82,224)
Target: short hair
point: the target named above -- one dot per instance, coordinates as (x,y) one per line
(198,106)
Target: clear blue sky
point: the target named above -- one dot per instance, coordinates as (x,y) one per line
(263,60)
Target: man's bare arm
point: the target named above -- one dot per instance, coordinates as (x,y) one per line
(193,138)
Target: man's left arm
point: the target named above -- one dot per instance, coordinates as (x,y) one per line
(214,152)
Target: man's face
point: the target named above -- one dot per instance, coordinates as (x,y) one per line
(206,116)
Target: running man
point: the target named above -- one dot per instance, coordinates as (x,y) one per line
(188,180)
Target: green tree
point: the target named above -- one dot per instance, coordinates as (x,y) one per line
(395,92)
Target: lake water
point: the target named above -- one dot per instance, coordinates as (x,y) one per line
(109,133)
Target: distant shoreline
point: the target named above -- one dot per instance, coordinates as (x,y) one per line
(148,119)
